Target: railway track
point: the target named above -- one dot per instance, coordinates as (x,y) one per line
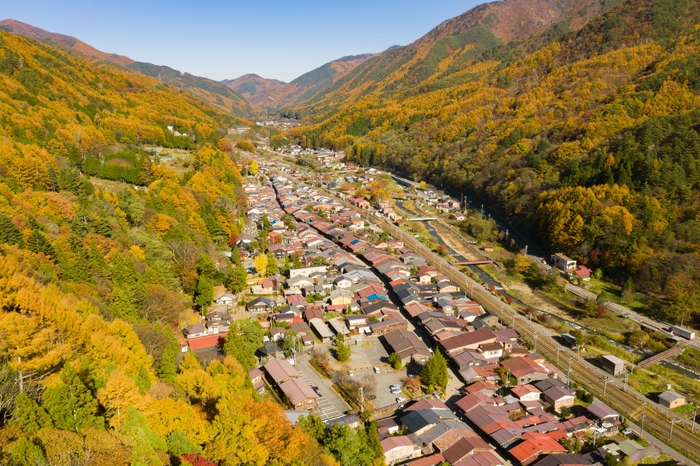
(674,430)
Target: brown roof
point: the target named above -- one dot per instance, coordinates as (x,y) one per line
(473,339)
(465,447)
(426,404)
(281,370)
(522,367)
(298,390)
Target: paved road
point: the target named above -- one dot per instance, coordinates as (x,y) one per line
(330,405)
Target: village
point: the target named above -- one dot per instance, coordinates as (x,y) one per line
(354,285)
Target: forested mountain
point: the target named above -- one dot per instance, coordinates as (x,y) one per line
(208,90)
(587,139)
(445,52)
(96,270)
(273,94)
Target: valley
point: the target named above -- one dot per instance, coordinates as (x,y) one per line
(480,248)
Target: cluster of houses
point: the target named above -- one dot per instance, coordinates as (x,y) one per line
(353,282)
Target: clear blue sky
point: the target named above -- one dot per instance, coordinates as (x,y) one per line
(223,39)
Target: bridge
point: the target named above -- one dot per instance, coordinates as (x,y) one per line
(421,219)
(474,263)
(669,353)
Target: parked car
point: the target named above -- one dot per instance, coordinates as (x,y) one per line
(400,399)
(394,386)
(395,391)
(376,369)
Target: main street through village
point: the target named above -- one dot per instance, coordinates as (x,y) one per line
(651,417)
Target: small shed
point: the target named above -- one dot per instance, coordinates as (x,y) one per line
(671,399)
(612,364)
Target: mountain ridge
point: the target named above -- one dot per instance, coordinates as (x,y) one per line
(207,90)
(274,94)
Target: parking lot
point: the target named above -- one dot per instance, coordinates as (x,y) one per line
(385,378)
(367,355)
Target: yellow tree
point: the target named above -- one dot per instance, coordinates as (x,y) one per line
(253,167)
(119,393)
(261,262)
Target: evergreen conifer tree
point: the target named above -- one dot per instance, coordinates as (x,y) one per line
(70,404)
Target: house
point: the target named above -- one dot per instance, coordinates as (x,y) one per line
(299,281)
(535,445)
(558,398)
(300,394)
(636,452)
(194,330)
(447,287)
(484,387)
(469,358)
(418,422)
(225,299)
(256,377)
(407,345)
(340,296)
(465,447)
(399,448)
(583,272)
(671,399)
(359,324)
(277,334)
(525,370)
(563,263)
(612,364)
(260,305)
(280,370)
(268,351)
(492,350)
(388,325)
(525,392)
(608,418)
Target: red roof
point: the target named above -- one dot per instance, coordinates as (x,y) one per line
(336,307)
(207,341)
(534,445)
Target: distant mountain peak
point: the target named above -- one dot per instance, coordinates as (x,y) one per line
(274,94)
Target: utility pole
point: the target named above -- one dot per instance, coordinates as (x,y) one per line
(568,375)
(605,388)
(627,375)
(535,346)
(670,433)
(558,349)
(644,415)
(695,413)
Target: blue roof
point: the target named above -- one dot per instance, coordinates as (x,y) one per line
(374,296)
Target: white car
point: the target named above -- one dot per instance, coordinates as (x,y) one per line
(400,399)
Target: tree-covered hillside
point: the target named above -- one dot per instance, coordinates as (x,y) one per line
(588,140)
(102,247)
